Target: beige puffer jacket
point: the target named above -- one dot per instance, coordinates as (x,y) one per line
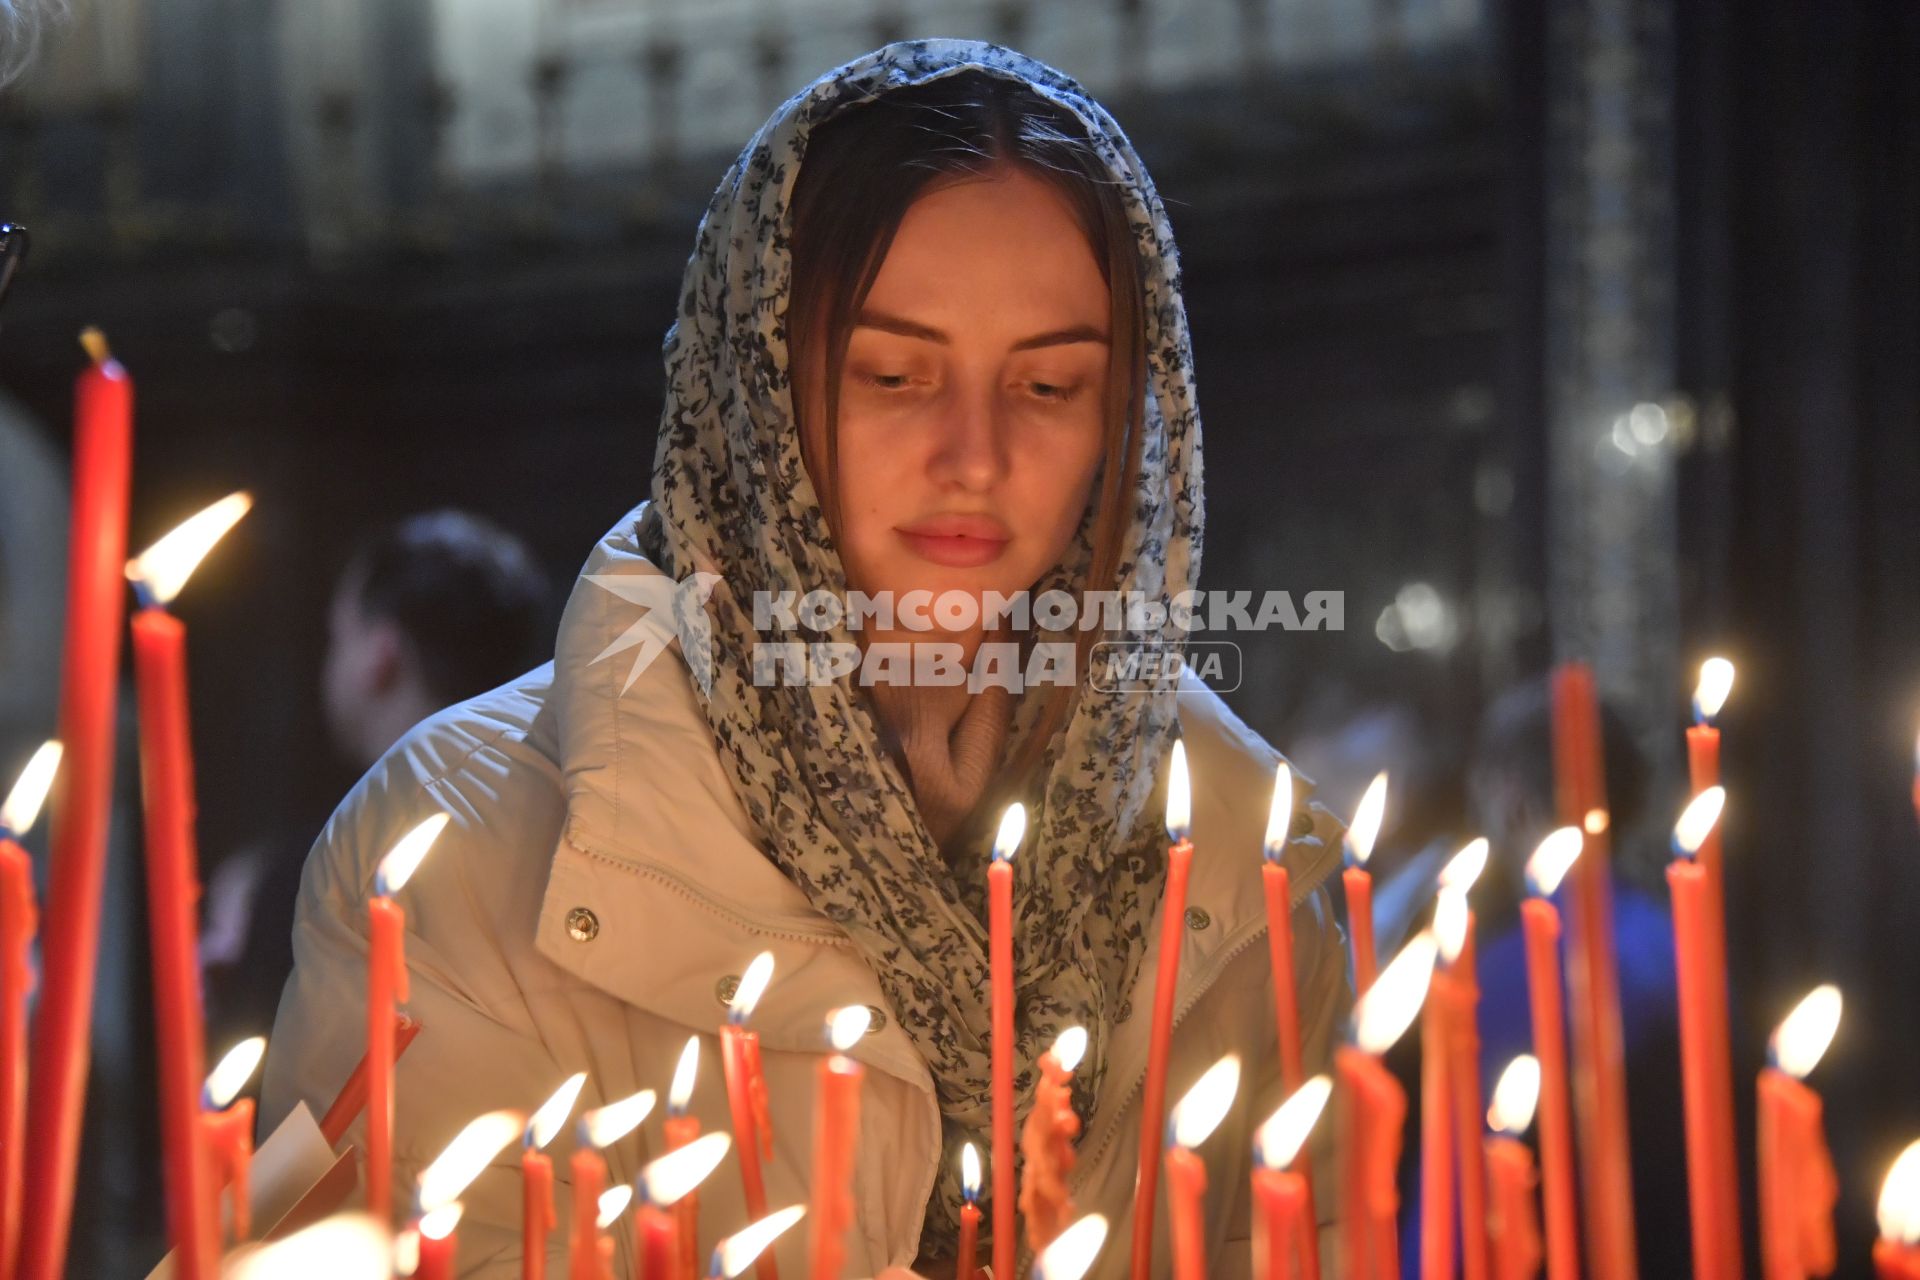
(598,889)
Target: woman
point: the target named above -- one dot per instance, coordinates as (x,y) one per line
(961,263)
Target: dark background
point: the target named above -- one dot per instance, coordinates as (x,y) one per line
(1366,230)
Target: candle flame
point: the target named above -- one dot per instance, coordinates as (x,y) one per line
(164,567)
(440,1223)
(613,1203)
(1450,923)
(347,1246)
(24,801)
(1463,870)
(1899,1208)
(1552,860)
(1013,829)
(1365,828)
(1802,1038)
(1179,795)
(467,1157)
(970,1171)
(737,1252)
(1710,694)
(1279,1140)
(94,343)
(1072,1252)
(1279,812)
(1205,1105)
(680,1092)
(226,1080)
(1697,821)
(753,985)
(1069,1047)
(406,1252)
(1596,821)
(1395,997)
(404,858)
(675,1174)
(606,1125)
(554,1111)
(846,1026)
(1515,1096)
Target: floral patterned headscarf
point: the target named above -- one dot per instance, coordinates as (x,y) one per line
(731,497)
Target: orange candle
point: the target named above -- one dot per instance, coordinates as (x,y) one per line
(352,1098)
(1277,885)
(537,1216)
(836,1128)
(682,1127)
(1436,1145)
(1194,1119)
(18,924)
(1373,1111)
(1798,1186)
(96,599)
(599,1128)
(227,1126)
(1013,829)
(441,1184)
(1458,999)
(735,1253)
(437,1243)
(1282,1218)
(1540,925)
(1703,767)
(663,1184)
(963,1261)
(1047,1141)
(1513,1224)
(1599,1078)
(747,1092)
(1358,847)
(1896,1254)
(386,990)
(1173,910)
(1701,979)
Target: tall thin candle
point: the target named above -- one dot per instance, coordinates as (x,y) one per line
(436,1244)
(1798,1186)
(737,1252)
(227,1124)
(1046,1142)
(1283,1222)
(1173,910)
(1195,1117)
(1459,1001)
(836,1130)
(1896,1254)
(18,924)
(1358,881)
(1513,1225)
(599,1128)
(1703,768)
(442,1182)
(1013,829)
(662,1184)
(90,650)
(1277,885)
(747,1092)
(1540,925)
(1701,976)
(963,1257)
(537,1217)
(386,990)
(681,1128)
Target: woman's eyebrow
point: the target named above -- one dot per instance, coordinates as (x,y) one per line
(869,319)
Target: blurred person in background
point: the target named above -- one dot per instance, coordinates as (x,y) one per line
(429,611)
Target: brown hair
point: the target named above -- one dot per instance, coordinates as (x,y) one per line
(861,172)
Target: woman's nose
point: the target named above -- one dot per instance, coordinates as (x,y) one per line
(970,452)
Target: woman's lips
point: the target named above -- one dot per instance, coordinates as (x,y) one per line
(957,542)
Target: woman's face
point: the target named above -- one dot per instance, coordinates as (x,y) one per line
(970,420)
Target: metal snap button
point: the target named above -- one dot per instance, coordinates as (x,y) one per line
(582,925)
(723,990)
(1197,918)
(876,1019)
(1302,823)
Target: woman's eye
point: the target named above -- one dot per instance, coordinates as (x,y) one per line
(1058,392)
(886,381)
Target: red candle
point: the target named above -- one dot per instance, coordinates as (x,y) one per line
(681,1128)
(1436,1139)
(173,877)
(963,1263)
(1896,1255)
(1457,996)
(1047,1141)
(1374,1110)
(836,1127)
(1195,1117)
(1286,995)
(1540,925)
(96,597)
(1703,763)
(1701,977)
(601,1127)
(1798,1186)
(1173,910)
(386,990)
(227,1127)
(1359,840)
(537,1217)
(437,1243)
(663,1184)
(737,1252)
(1513,1225)
(18,923)
(1594,987)
(352,1098)
(1282,1205)
(1013,829)
(747,1092)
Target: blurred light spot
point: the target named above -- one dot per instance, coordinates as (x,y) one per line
(1418,618)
